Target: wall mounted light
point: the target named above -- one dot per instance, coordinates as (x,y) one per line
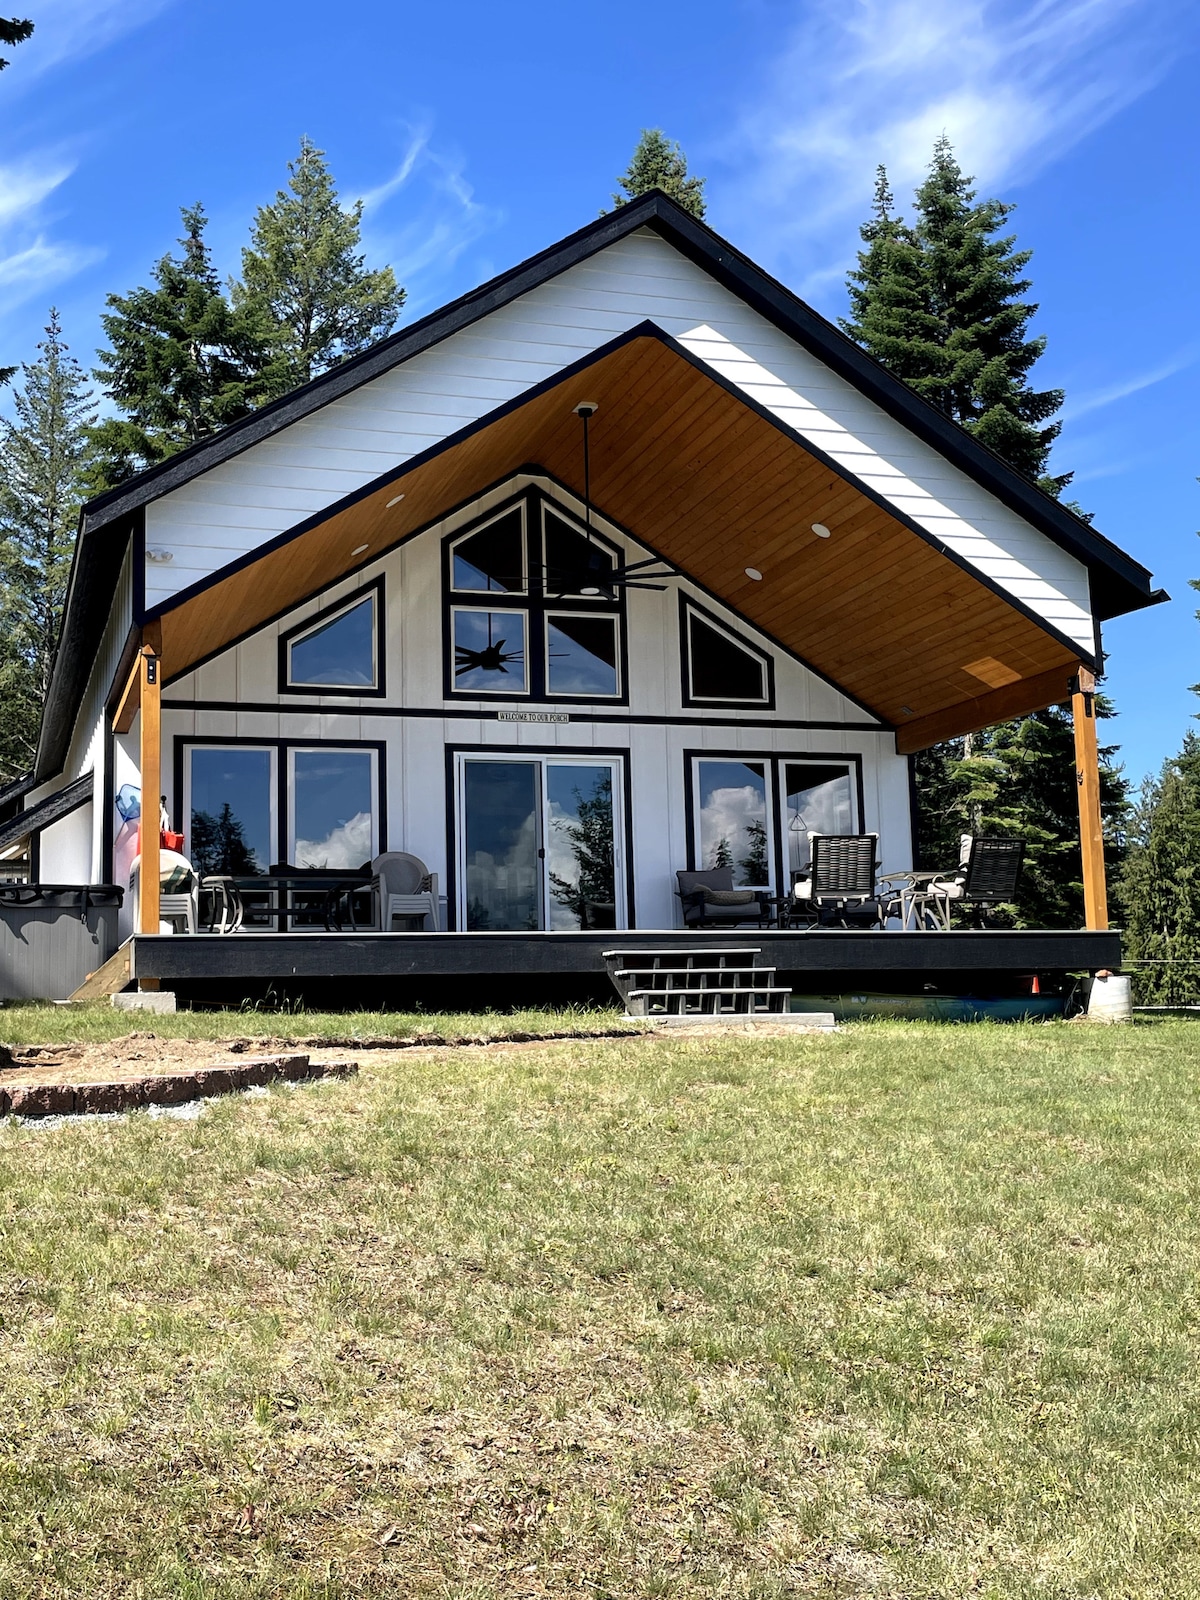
(821,531)
(156,553)
(753,572)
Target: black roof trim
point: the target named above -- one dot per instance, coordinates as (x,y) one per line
(52,809)
(1119,583)
(95,572)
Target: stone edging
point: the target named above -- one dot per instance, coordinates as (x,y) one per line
(169,1089)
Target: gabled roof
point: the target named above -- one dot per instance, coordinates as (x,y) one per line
(1118,583)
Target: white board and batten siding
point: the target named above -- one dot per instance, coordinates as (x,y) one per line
(63,851)
(246,675)
(244,502)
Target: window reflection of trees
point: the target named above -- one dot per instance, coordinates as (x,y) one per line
(589,839)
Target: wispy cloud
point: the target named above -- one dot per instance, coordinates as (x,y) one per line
(442,217)
(67,30)
(1098,399)
(30,261)
(1014,83)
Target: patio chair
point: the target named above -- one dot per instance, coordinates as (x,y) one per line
(710,900)
(838,890)
(177,893)
(228,909)
(402,886)
(987,875)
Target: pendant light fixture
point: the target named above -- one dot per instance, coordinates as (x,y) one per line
(626,574)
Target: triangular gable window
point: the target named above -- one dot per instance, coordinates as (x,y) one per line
(338,652)
(720,668)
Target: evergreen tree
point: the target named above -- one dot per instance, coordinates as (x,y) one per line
(659,163)
(14,31)
(590,840)
(183,362)
(891,302)
(304,273)
(42,460)
(941,303)
(1159,887)
(1018,778)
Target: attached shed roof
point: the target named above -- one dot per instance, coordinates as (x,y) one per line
(51,809)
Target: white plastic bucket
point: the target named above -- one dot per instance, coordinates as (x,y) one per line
(1110,999)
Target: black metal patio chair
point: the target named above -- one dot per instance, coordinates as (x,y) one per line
(987,875)
(838,890)
(710,900)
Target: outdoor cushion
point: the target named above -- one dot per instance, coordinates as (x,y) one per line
(730,897)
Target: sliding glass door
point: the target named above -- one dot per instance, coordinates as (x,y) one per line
(539,843)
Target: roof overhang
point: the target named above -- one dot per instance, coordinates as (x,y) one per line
(703,477)
(1118,584)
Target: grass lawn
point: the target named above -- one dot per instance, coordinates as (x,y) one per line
(906,1310)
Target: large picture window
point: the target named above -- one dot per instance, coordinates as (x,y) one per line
(250,806)
(552,624)
(229,806)
(338,651)
(333,811)
(754,814)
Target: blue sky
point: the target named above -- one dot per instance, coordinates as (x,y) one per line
(479,133)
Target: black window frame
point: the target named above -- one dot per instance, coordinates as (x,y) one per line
(535,603)
(688,607)
(281,799)
(375,589)
(774,762)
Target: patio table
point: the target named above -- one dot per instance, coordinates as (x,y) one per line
(282,886)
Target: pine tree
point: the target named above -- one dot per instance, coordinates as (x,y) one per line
(940,302)
(1018,779)
(304,272)
(183,362)
(1159,887)
(659,163)
(14,31)
(890,299)
(43,452)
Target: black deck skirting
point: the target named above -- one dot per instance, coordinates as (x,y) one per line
(815,957)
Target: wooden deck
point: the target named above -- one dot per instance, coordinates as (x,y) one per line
(524,964)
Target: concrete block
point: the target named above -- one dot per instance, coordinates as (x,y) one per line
(160,1001)
(42,1100)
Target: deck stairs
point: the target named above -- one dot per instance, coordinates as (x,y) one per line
(696,983)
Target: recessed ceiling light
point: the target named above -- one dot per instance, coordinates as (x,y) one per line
(590,590)
(753,572)
(359,548)
(394,502)
(821,531)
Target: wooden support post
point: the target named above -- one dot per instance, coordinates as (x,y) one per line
(151,764)
(1087,777)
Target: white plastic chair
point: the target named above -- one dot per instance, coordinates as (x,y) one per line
(172,908)
(403,887)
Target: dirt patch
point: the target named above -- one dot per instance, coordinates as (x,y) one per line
(138,1055)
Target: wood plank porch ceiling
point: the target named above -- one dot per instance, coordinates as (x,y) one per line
(705,481)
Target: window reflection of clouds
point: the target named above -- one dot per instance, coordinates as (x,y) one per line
(332,807)
(733,816)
